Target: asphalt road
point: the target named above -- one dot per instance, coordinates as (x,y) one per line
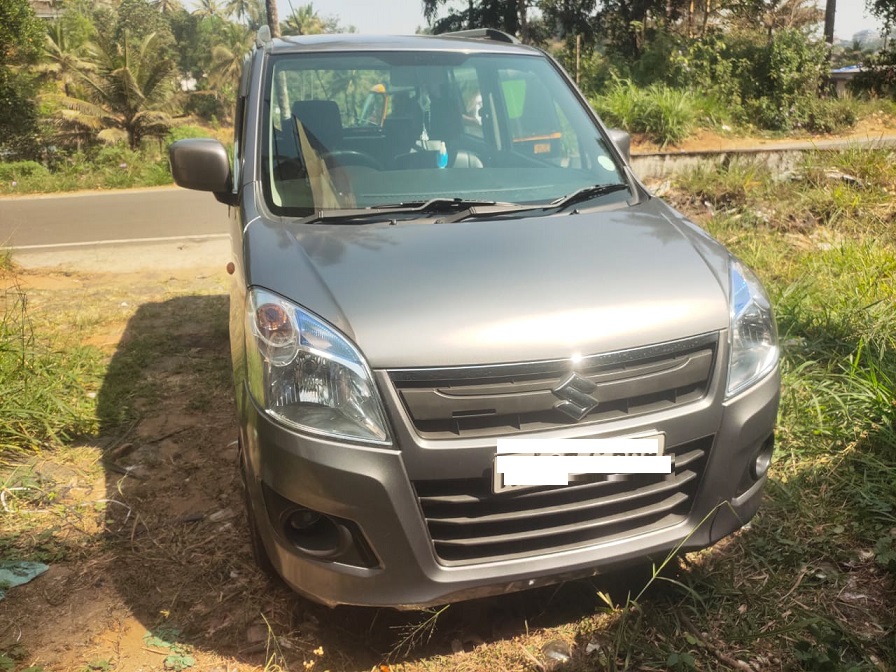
(89,218)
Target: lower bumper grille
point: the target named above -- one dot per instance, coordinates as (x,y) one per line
(468,524)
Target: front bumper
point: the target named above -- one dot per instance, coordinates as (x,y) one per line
(372,488)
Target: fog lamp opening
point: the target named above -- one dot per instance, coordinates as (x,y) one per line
(762,461)
(316,534)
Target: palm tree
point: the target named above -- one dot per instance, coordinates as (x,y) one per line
(127,95)
(252,11)
(207,9)
(227,56)
(304,21)
(63,62)
(167,6)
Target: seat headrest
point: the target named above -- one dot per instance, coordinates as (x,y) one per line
(445,119)
(322,122)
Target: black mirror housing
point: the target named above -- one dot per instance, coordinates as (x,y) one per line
(202,164)
(623,142)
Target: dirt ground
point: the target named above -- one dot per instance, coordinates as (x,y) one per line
(869,128)
(143,526)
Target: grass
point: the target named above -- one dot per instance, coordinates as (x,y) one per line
(44,388)
(110,168)
(825,246)
(665,115)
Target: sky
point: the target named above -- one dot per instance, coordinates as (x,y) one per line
(404,16)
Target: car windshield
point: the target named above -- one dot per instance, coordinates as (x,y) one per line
(361,130)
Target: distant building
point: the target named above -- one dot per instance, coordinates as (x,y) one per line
(45,9)
(867,38)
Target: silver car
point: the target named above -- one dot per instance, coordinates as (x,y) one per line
(471,353)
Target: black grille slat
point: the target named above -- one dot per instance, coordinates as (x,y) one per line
(583,506)
(521,537)
(468,523)
(500,399)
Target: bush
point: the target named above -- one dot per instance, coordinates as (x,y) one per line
(709,64)
(808,113)
(831,115)
(42,399)
(109,167)
(879,76)
(665,115)
(17,170)
(184,132)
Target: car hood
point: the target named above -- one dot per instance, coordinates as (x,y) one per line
(426,294)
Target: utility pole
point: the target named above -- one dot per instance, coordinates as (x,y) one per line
(830,11)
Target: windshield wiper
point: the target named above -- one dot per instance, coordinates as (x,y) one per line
(586,194)
(464,208)
(434,205)
(461,209)
(485,211)
(344,215)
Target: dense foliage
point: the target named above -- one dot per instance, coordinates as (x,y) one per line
(759,63)
(20,40)
(123,70)
(115,71)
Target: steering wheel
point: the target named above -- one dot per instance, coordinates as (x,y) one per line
(350,157)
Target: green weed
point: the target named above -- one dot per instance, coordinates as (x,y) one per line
(43,390)
(665,115)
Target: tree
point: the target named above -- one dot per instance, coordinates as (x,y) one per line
(167,6)
(775,15)
(129,93)
(63,58)
(21,36)
(505,15)
(884,10)
(629,24)
(306,20)
(252,12)
(207,9)
(227,56)
(270,10)
(568,18)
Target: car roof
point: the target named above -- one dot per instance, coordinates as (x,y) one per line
(356,42)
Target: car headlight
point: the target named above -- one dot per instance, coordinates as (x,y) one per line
(754,336)
(307,375)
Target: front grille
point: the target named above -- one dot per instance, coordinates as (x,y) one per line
(505,399)
(468,524)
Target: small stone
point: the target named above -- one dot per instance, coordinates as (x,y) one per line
(257,633)
(556,652)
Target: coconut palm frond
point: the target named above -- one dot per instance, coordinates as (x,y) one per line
(112,136)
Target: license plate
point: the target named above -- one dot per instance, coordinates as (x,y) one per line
(530,463)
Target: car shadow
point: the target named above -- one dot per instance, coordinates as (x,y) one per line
(179,552)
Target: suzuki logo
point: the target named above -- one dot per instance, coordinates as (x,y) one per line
(575,393)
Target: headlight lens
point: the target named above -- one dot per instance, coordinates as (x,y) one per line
(307,375)
(754,336)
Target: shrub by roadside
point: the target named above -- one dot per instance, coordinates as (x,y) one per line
(44,389)
(110,167)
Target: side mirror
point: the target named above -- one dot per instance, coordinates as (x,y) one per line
(202,164)
(623,142)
